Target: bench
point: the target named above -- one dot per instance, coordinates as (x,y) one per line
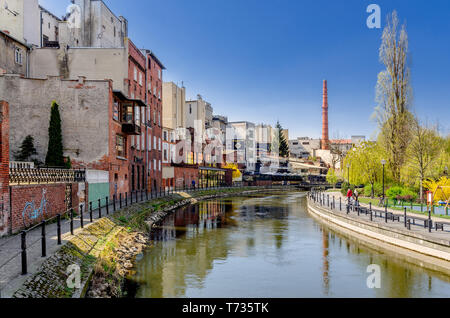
(439,226)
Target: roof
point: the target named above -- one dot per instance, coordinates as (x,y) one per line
(48,12)
(341,141)
(150,52)
(16,40)
(122,96)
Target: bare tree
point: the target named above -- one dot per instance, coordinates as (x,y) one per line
(394,95)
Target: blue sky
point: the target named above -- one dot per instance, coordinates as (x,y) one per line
(263,61)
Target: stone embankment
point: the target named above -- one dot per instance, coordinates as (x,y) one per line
(105,250)
(430,250)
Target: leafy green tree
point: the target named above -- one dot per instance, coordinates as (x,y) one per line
(55,155)
(282,142)
(422,153)
(332,177)
(364,161)
(26,150)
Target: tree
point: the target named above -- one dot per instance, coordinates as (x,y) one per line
(236,172)
(422,152)
(283,147)
(27,149)
(365,164)
(394,95)
(55,155)
(331,177)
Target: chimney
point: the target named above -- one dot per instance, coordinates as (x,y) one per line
(325,140)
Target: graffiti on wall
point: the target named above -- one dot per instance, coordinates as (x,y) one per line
(32,213)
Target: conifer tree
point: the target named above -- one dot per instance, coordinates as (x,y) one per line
(27,149)
(55,156)
(282,142)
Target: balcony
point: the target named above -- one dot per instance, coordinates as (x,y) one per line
(131,129)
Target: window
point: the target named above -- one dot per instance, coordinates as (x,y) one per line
(132,141)
(18,56)
(190,109)
(149,142)
(154,164)
(143,141)
(116,110)
(159,119)
(140,78)
(137,114)
(159,148)
(120,146)
(154,142)
(159,165)
(135,74)
(138,143)
(165,155)
(159,74)
(165,136)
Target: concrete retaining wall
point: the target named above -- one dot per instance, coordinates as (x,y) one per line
(402,238)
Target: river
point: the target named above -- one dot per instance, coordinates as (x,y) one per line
(268,246)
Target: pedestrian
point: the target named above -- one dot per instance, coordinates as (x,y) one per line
(349,195)
(356,194)
(193,184)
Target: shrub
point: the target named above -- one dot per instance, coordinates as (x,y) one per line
(401,193)
(345,187)
(377,190)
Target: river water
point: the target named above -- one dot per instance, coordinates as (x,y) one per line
(268,246)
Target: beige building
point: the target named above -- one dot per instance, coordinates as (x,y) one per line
(196,114)
(99,26)
(14,55)
(174,104)
(93,63)
(12,17)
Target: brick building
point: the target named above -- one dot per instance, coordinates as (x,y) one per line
(154,82)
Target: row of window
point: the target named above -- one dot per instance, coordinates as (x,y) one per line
(138,142)
(121,150)
(138,77)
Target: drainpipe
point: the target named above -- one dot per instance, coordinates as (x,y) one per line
(40,28)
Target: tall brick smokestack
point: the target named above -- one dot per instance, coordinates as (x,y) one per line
(325,138)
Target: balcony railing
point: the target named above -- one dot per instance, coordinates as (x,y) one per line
(131,129)
(24,176)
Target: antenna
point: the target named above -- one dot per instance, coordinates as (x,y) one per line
(12,12)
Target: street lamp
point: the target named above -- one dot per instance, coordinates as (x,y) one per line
(383,162)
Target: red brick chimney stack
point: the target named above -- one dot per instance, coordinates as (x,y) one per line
(325,138)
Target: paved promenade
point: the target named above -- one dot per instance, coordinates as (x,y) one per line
(400,225)
(11,277)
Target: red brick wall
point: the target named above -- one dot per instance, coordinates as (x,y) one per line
(54,195)
(137,59)
(185,175)
(4,167)
(155,105)
(21,195)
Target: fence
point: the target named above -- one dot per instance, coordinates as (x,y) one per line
(70,221)
(22,176)
(322,199)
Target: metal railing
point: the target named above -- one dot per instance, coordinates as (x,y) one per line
(23,176)
(324,200)
(86,214)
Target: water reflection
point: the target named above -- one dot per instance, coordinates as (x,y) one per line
(269,246)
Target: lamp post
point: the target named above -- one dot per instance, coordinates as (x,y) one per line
(383,162)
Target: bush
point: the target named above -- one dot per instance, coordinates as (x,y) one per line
(344,188)
(377,190)
(401,193)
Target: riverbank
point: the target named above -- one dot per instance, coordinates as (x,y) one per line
(105,250)
(431,251)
